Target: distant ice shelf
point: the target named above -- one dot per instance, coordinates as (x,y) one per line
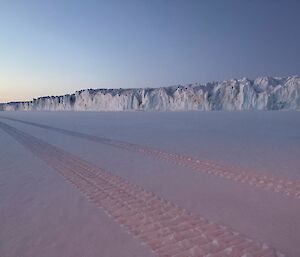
(264,93)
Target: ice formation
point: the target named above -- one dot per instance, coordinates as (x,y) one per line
(265,93)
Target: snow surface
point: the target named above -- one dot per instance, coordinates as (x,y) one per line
(43,216)
(268,142)
(265,93)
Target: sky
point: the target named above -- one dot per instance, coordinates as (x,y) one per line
(59,46)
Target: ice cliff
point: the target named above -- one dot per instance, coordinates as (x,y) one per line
(265,93)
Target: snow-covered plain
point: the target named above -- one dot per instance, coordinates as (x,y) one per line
(264,93)
(42,215)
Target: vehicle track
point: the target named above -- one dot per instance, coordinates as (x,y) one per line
(168,230)
(288,187)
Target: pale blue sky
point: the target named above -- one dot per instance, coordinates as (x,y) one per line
(59,46)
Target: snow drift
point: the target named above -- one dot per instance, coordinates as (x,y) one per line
(265,93)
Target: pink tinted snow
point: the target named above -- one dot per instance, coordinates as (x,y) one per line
(261,215)
(42,215)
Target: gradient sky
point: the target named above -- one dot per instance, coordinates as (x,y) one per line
(58,46)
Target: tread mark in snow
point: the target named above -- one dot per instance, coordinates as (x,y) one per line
(168,230)
(286,186)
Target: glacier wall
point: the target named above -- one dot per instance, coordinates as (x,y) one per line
(265,93)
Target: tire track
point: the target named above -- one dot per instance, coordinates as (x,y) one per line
(168,230)
(288,187)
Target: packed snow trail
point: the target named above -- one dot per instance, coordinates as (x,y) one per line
(165,228)
(288,187)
